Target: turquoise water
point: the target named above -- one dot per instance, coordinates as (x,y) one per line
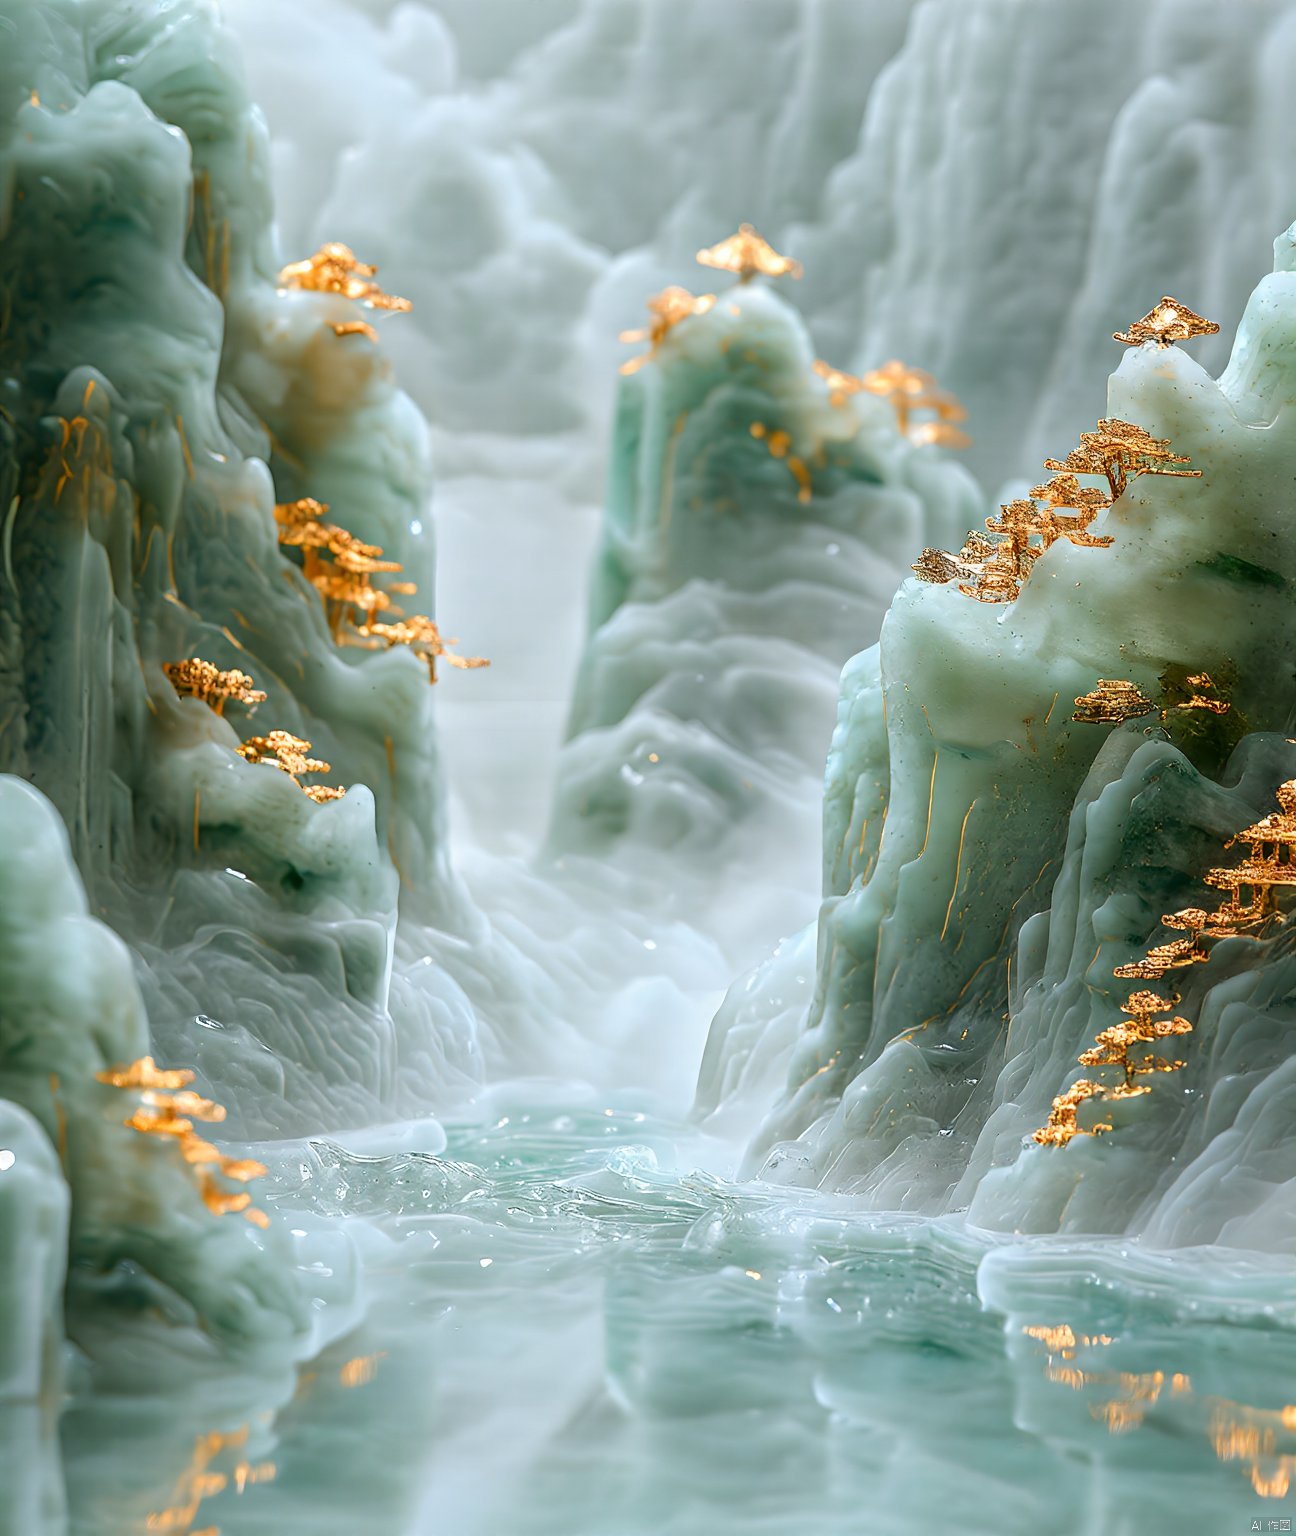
(564,1330)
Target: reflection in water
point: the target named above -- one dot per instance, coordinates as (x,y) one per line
(203,1479)
(563,1331)
(362,1370)
(1264,1439)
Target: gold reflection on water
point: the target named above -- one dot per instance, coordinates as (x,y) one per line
(200,1481)
(1061,1340)
(362,1370)
(1237,1432)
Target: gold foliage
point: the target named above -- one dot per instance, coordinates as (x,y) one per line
(1114,701)
(1269,865)
(283,750)
(341,568)
(749,255)
(167,1107)
(1169,322)
(1120,452)
(667,308)
(909,390)
(422,636)
(994,570)
(779,443)
(334,268)
(199,679)
(1184,695)
(841,385)
(1146,1022)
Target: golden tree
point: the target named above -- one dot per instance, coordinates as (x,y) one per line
(993,569)
(936,565)
(1082,504)
(310,538)
(999,565)
(289,753)
(1146,1021)
(749,255)
(167,1107)
(198,679)
(1268,867)
(1114,701)
(1195,691)
(1119,451)
(1192,708)
(841,385)
(358,559)
(423,637)
(910,390)
(299,513)
(1169,322)
(1058,508)
(1252,885)
(1191,950)
(303,525)
(667,308)
(341,568)
(351,601)
(334,268)
(1063,1121)
(1013,530)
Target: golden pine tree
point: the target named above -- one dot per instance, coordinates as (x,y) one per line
(1112,702)
(168,1108)
(1269,867)
(909,391)
(1117,452)
(1193,709)
(1169,322)
(1146,1022)
(289,753)
(334,268)
(341,568)
(423,637)
(667,308)
(841,385)
(749,255)
(198,679)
